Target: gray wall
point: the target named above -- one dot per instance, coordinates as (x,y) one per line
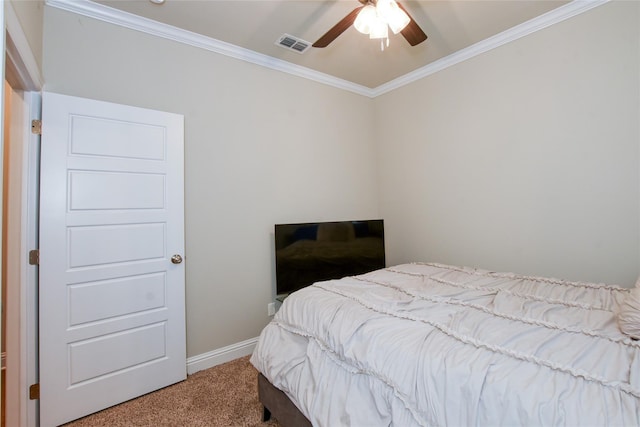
(261,147)
(30,14)
(524,158)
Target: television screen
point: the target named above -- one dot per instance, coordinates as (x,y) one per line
(311,252)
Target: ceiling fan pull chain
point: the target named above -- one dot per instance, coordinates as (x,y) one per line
(382,44)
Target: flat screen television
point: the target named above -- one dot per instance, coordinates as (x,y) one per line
(311,252)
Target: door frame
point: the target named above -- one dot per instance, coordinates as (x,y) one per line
(22,73)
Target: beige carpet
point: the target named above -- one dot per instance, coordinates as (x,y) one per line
(225,395)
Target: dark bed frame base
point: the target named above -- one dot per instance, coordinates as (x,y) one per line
(276,403)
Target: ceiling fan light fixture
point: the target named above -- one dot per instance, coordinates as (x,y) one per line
(376,20)
(363,21)
(378,29)
(395,17)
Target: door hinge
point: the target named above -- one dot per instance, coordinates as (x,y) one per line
(36,127)
(34,257)
(34,392)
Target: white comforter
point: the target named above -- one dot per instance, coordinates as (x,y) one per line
(434,345)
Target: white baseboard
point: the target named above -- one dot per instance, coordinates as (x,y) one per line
(221,355)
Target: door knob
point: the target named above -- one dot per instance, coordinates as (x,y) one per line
(176,259)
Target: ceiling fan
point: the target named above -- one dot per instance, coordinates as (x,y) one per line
(373,18)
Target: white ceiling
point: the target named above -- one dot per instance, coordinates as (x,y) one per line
(451,26)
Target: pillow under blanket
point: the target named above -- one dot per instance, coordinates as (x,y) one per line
(629,314)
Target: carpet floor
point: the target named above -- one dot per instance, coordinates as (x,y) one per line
(225,395)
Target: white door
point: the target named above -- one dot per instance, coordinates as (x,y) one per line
(112,319)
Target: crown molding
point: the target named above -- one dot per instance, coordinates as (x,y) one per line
(148,26)
(133,22)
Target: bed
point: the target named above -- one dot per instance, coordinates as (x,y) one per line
(432,345)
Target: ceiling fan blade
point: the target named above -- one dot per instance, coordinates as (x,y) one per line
(337,29)
(412,32)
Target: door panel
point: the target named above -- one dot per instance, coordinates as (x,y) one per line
(115,190)
(112,323)
(119,243)
(94,357)
(94,136)
(135,294)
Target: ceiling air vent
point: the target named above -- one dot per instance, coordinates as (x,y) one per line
(293,43)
